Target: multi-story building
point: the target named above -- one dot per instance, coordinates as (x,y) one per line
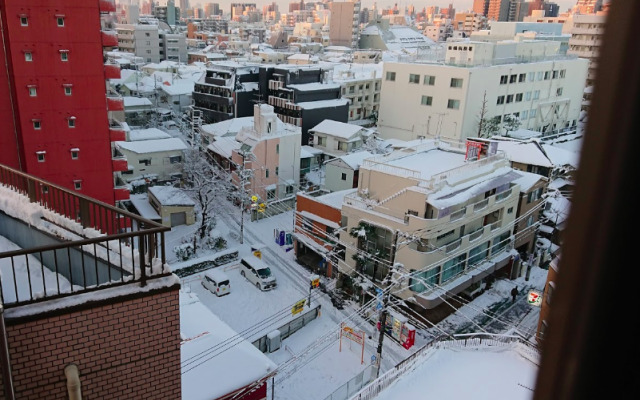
(173,46)
(227,90)
(53,105)
(498,10)
(79,302)
(481,7)
(301,95)
(491,80)
(469,22)
(140,39)
(586,36)
(587,6)
(361,84)
(268,159)
(345,19)
(168,13)
(429,211)
(211,9)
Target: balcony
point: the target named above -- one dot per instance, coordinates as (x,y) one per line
(94,246)
(117,134)
(107,6)
(109,39)
(112,71)
(217,81)
(121,193)
(209,99)
(119,164)
(115,104)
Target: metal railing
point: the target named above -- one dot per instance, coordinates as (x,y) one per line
(68,243)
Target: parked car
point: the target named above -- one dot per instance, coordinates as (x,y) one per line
(257,272)
(217,282)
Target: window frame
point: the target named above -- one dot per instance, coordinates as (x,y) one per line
(60,21)
(390,76)
(426,100)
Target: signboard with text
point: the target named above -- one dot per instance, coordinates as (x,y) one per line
(534,298)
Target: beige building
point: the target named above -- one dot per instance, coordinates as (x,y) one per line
(155,159)
(586,36)
(446,99)
(345,18)
(361,84)
(445,220)
(141,40)
(173,205)
(336,138)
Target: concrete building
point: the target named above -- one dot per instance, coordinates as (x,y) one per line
(153,160)
(469,22)
(57,116)
(345,19)
(378,34)
(586,36)
(173,46)
(361,85)
(62,300)
(446,99)
(455,218)
(141,40)
(172,205)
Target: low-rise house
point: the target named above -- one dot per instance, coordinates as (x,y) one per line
(137,110)
(176,96)
(336,138)
(343,172)
(172,205)
(158,160)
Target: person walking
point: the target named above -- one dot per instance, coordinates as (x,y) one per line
(514,293)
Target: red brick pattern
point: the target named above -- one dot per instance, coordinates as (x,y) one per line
(124,350)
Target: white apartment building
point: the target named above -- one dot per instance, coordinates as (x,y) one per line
(141,40)
(361,84)
(446,99)
(586,36)
(449,220)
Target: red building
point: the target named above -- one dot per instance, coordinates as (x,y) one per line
(53,103)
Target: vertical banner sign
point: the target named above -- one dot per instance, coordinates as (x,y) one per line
(357,337)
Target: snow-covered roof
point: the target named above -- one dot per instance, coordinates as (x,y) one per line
(527,180)
(334,199)
(171,196)
(310,105)
(336,128)
(307,151)
(179,87)
(314,86)
(524,134)
(130,101)
(153,146)
(141,203)
(224,146)
(229,127)
(353,160)
(147,134)
(560,156)
(235,364)
(524,152)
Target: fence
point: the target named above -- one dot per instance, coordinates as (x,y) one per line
(69,243)
(289,328)
(354,384)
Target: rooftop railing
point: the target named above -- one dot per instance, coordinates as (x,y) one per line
(65,243)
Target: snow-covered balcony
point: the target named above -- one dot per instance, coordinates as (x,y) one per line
(56,243)
(109,39)
(119,164)
(112,71)
(107,6)
(115,103)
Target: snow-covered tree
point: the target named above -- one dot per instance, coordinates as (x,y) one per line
(374,145)
(204,181)
(511,123)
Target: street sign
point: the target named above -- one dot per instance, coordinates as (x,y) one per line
(298,307)
(534,298)
(315,281)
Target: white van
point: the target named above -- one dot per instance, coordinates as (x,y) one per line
(257,272)
(217,282)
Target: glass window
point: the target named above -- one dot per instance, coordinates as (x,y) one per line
(531,76)
(33,91)
(77,185)
(539,76)
(391,76)
(513,78)
(414,78)
(532,113)
(71,122)
(67,90)
(28,56)
(547,74)
(559,91)
(36,124)
(266,173)
(420,281)
(500,100)
(429,80)
(536,95)
(277,170)
(60,21)
(456,82)
(522,77)
(500,243)
(555,74)
(478,254)
(509,98)
(527,96)
(426,100)
(518,97)
(453,104)
(524,115)
(40,155)
(504,79)
(64,56)
(74,154)
(24,21)
(453,267)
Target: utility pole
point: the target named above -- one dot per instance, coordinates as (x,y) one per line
(242,194)
(385,302)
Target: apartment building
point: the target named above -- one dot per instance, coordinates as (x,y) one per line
(81,308)
(53,105)
(500,81)
(586,36)
(361,85)
(268,158)
(173,46)
(344,25)
(227,90)
(445,220)
(469,22)
(141,40)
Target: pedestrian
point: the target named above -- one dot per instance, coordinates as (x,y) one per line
(514,293)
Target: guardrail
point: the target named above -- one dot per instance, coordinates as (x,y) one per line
(68,243)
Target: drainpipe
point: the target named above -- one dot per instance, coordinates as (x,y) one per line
(7,378)
(73,382)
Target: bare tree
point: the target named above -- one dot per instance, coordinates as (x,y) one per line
(482,116)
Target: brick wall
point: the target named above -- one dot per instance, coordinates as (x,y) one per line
(129,349)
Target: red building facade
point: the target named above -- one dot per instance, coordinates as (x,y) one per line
(53,102)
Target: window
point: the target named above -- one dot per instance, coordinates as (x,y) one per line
(426,100)
(531,76)
(414,78)
(527,96)
(322,141)
(546,75)
(500,100)
(563,72)
(277,149)
(429,80)
(33,91)
(513,78)
(539,76)
(550,289)
(36,124)
(24,21)
(559,91)
(555,74)
(352,89)
(453,104)
(344,176)
(147,34)
(40,155)
(148,42)
(503,79)
(518,97)
(175,159)
(532,113)
(28,56)
(145,161)
(266,173)
(510,210)
(271,194)
(60,21)
(509,98)
(64,56)
(536,95)
(74,154)
(71,122)
(530,220)
(522,77)
(524,115)
(77,185)
(277,170)
(456,82)
(391,76)
(67,90)
(148,51)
